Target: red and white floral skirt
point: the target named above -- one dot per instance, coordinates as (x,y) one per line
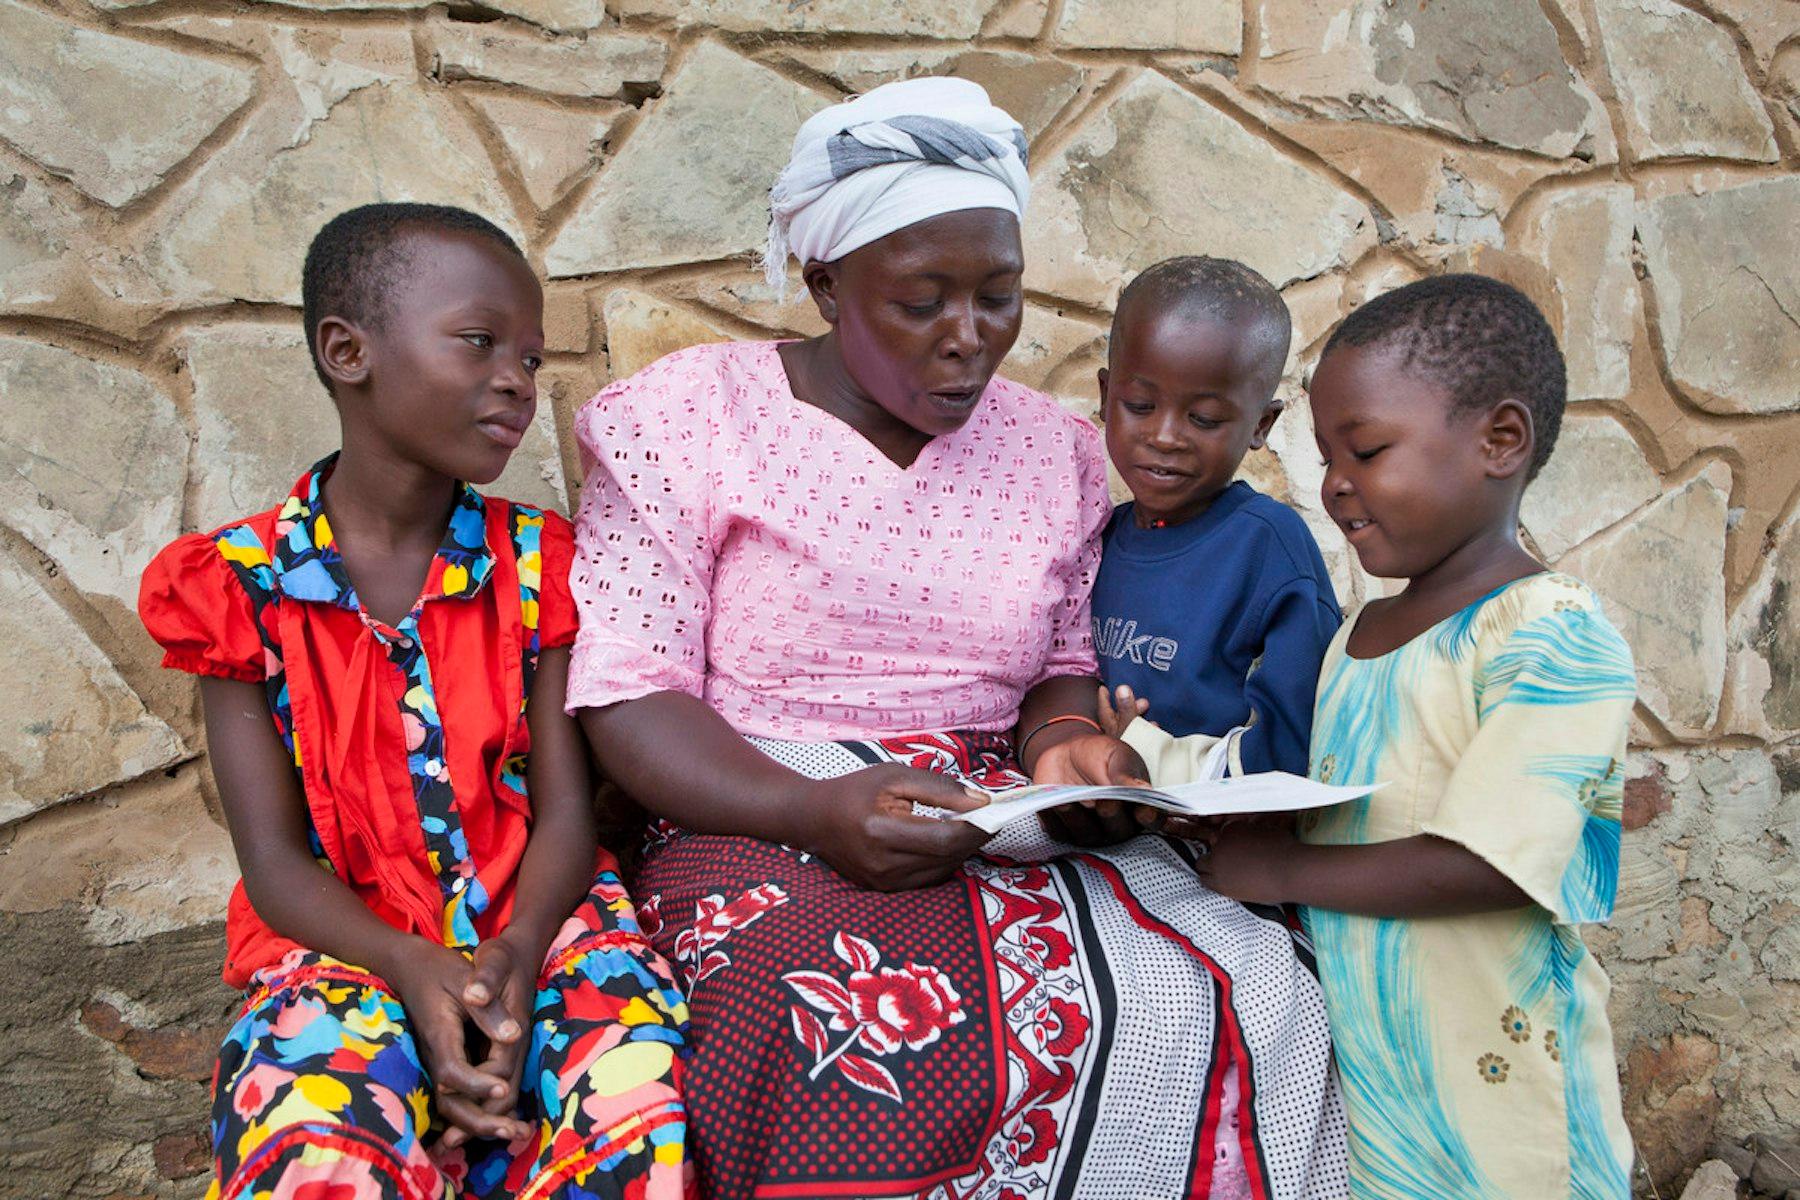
(1052,1022)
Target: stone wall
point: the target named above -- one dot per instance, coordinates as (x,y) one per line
(1631,163)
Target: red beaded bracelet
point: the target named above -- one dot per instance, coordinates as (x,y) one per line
(1043,725)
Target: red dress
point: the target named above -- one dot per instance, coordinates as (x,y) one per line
(408,740)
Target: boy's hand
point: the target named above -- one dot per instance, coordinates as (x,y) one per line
(498,995)
(1250,860)
(1119,709)
(430,981)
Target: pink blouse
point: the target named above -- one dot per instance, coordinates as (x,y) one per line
(747,548)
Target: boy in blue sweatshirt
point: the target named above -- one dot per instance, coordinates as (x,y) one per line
(1212,603)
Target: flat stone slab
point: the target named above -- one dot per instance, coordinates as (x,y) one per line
(110,114)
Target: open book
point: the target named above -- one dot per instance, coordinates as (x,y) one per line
(1263,792)
(1215,792)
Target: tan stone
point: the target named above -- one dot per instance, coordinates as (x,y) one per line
(552,148)
(741,291)
(951,19)
(641,328)
(94,464)
(1681,88)
(1713,1181)
(77,727)
(1595,476)
(1727,298)
(562,16)
(1765,642)
(1016,20)
(1119,196)
(1213,26)
(147,863)
(1672,1102)
(52,263)
(1661,575)
(239,229)
(262,417)
(692,181)
(1047,340)
(1584,236)
(110,114)
(598,66)
(1031,88)
(1416,63)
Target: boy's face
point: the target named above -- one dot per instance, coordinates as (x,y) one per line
(450,368)
(1407,481)
(1183,403)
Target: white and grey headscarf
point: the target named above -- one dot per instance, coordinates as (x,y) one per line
(890,158)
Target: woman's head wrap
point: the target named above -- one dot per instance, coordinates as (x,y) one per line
(890,158)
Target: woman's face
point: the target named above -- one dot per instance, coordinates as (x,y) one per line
(924,315)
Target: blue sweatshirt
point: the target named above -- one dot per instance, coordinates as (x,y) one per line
(1220,617)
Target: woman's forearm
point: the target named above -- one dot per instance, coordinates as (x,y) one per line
(679,759)
(1062,695)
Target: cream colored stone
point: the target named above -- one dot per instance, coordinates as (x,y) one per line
(261,417)
(562,16)
(641,328)
(325,65)
(1422,63)
(1596,476)
(692,181)
(52,264)
(94,459)
(951,19)
(1120,195)
(1211,26)
(1033,89)
(110,114)
(1024,20)
(239,229)
(1681,88)
(1047,340)
(741,291)
(1584,236)
(598,66)
(1728,299)
(552,148)
(1661,575)
(71,725)
(1765,643)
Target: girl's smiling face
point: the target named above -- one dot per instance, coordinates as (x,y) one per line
(1408,481)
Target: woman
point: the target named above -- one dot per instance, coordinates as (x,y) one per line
(823,583)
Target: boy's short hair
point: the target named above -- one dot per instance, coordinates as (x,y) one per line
(1480,339)
(1225,290)
(353,261)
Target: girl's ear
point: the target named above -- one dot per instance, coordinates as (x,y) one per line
(1507,439)
(821,281)
(343,350)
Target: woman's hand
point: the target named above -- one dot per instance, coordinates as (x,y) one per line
(863,825)
(1095,759)
(1250,860)
(431,982)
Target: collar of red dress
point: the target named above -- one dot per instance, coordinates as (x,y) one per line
(308,566)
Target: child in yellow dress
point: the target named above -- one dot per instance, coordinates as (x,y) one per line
(1492,697)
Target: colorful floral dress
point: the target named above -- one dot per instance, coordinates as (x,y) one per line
(410,744)
(1048,1023)
(1476,1058)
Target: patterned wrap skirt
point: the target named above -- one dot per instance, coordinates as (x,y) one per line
(1050,1022)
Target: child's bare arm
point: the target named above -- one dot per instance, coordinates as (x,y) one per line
(1419,876)
(266,814)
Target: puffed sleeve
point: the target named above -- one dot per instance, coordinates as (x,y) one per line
(556,607)
(1538,792)
(642,570)
(193,605)
(1072,580)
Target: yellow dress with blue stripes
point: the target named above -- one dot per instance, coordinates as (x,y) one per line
(1475,1053)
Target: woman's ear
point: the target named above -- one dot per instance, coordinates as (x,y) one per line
(1507,439)
(343,351)
(822,280)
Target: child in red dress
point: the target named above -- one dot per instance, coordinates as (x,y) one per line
(448,995)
